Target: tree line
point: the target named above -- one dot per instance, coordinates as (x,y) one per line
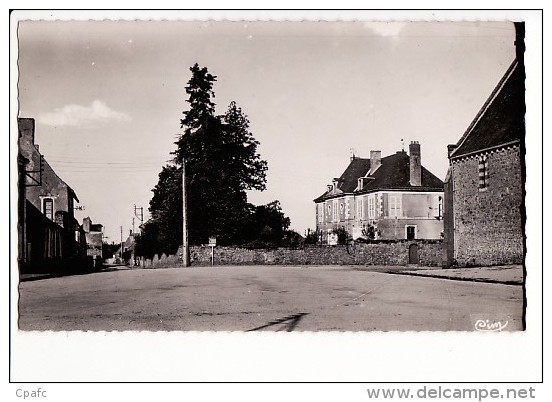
(221,163)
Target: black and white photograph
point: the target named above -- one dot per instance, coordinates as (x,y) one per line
(242,175)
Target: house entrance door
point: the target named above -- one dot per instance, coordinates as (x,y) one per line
(413,254)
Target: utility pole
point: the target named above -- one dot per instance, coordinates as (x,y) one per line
(121,243)
(141,216)
(185,249)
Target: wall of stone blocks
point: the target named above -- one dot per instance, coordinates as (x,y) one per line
(488,224)
(375,253)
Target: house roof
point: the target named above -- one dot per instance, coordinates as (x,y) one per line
(347,182)
(501,120)
(393,174)
(348,179)
(130,242)
(96,227)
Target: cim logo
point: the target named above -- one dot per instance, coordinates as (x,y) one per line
(492,322)
(491,326)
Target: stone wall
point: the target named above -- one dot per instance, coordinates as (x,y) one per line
(488,224)
(374,253)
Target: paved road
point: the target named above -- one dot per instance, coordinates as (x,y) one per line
(263,298)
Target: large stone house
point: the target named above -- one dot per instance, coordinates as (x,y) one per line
(388,198)
(484,184)
(49,235)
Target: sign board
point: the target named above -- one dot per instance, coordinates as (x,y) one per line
(212,244)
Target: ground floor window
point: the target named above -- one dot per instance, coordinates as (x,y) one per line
(410,232)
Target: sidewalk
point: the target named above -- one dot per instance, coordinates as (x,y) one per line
(505,274)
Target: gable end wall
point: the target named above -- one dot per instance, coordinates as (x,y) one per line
(488,224)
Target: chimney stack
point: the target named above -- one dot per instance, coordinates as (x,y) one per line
(86,224)
(375,161)
(26,134)
(415,164)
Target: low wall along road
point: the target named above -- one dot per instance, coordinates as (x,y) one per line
(402,252)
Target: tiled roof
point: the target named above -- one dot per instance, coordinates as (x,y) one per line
(501,120)
(357,168)
(393,174)
(347,182)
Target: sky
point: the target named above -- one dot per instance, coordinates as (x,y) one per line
(108,97)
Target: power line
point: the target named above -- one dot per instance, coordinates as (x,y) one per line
(95,156)
(84,163)
(111,169)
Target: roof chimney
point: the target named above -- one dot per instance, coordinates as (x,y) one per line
(86,222)
(375,161)
(26,130)
(415,164)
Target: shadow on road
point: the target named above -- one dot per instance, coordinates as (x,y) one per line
(39,276)
(289,323)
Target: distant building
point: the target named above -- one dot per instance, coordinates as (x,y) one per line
(94,239)
(129,247)
(388,198)
(484,183)
(49,235)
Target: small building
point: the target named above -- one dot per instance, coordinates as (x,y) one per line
(484,184)
(94,240)
(50,237)
(129,248)
(389,198)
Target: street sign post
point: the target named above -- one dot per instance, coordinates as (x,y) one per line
(212,244)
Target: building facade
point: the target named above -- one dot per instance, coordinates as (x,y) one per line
(484,184)
(390,198)
(49,234)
